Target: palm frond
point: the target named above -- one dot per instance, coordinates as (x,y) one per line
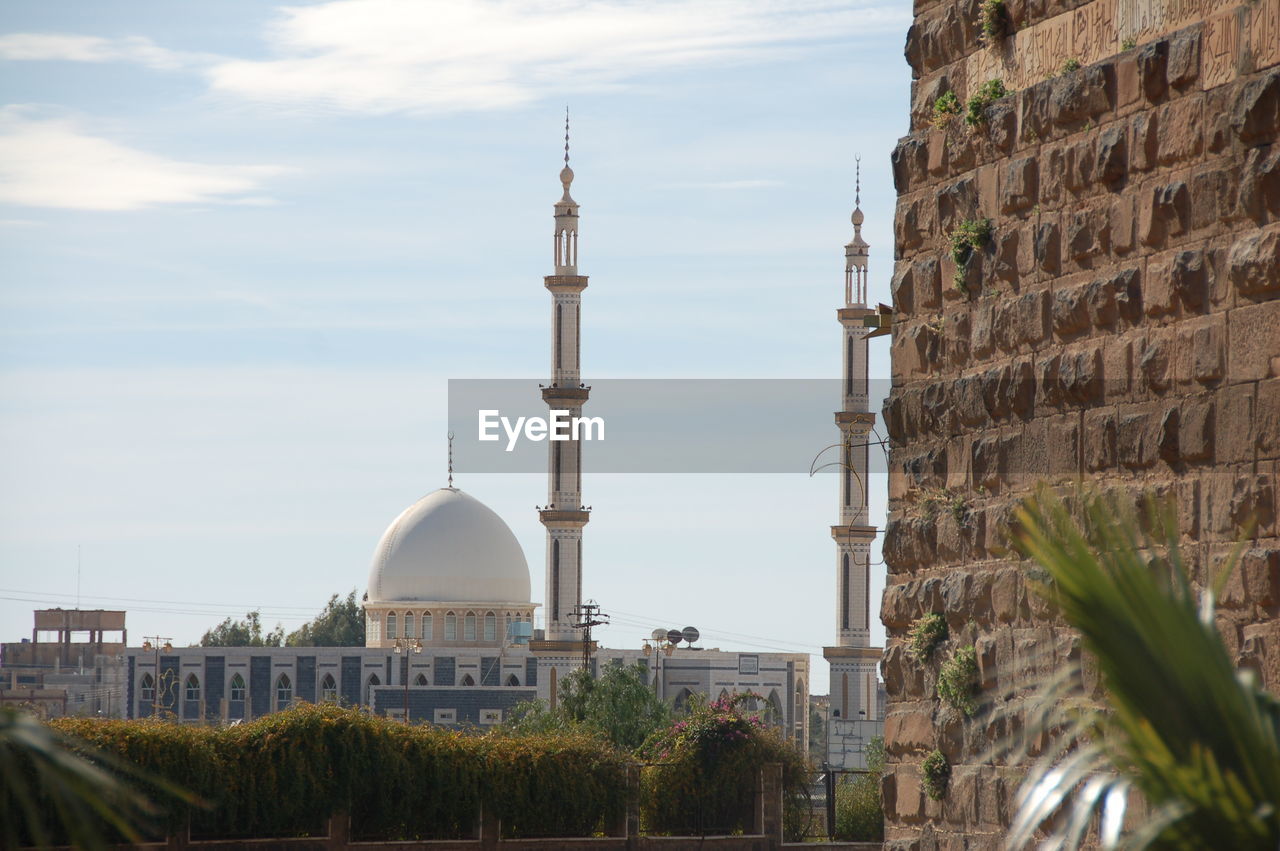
(1177,723)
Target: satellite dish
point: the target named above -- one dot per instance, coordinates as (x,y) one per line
(658,634)
(690,634)
(674,636)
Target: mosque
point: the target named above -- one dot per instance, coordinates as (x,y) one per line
(450,634)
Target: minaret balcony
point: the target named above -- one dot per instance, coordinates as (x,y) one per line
(565,397)
(565,283)
(575,518)
(853,315)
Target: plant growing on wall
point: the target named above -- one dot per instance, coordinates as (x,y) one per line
(993,19)
(988,93)
(926,634)
(936,775)
(958,680)
(1070,65)
(1176,722)
(968,236)
(946,105)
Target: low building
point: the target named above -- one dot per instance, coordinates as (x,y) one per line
(73,664)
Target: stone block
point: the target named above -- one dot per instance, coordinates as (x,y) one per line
(1019,186)
(1158,295)
(1154,355)
(1255,342)
(956,202)
(1152,61)
(1123,218)
(1080,158)
(1008,257)
(1260,182)
(982,337)
(1255,113)
(1117,366)
(1146,141)
(1070,312)
(1163,211)
(1048,247)
(1138,437)
(1235,427)
(902,289)
(1202,350)
(1063,447)
(1099,439)
(927,281)
(1081,375)
(956,342)
(909,226)
(1081,95)
(1183,66)
(908,730)
(910,160)
(1196,437)
(1088,235)
(1112,163)
(1267,419)
(1253,265)
(1213,196)
(1181,130)
(1053,162)
(1002,125)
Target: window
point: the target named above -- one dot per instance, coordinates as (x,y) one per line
(391,625)
(284,691)
(467,680)
(469,627)
(328,689)
(236,690)
(370,684)
(446,716)
(844,591)
(148,688)
(490,716)
(513,680)
(555,581)
(450,627)
(408,625)
(427,626)
(490,627)
(421,680)
(193,688)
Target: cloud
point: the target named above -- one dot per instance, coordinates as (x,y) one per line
(32,47)
(387,56)
(53,163)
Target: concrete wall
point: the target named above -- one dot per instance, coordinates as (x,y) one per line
(1122,325)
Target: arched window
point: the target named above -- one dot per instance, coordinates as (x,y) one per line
(328,689)
(469,627)
(236,691)
(408,625)
(193,687)
(391,625)
(490,626)
(555,581)
(450,626)
(682,700)
(848,368)
(427,627)
(421,680)
(284,691)
(844,592)
(368,688)
(513,680)
(467,680)
(147,690)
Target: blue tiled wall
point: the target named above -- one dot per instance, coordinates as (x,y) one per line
(444,671)
(260,685)
(349,685)
(305,687)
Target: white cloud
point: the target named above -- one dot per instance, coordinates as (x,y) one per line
(54,163)
(385,56)
(84,48)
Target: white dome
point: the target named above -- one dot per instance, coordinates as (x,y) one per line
(449,547)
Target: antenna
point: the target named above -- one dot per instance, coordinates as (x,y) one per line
(77,577)
(450,459)
(566,134)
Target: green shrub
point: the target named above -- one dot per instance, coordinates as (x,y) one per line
(707,765)
(946,105)
(1129,43)
(859,815)
(958,680)
(968,236)
(993,18)
(936,774)
(286,773)
(988,92)
(1070,65)
(926,634)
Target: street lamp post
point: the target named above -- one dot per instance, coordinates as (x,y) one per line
(407,646)
(153,642)
(657,646)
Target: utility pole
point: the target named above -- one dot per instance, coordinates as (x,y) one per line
(585,616)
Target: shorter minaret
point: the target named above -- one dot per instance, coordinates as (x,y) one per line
(853,661)
(564,516)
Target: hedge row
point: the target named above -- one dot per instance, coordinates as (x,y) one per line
(285,774)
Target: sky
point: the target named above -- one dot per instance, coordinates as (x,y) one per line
(245,246)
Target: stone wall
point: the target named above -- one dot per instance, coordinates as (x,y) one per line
(1121,324)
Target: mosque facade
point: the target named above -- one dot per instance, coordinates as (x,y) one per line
(450,636)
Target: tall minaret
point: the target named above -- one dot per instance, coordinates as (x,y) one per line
(564,516)
(853,661)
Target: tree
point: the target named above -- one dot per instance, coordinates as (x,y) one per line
(859,816)
(245,633)
(340,624)
(620,706)
(1173,719)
